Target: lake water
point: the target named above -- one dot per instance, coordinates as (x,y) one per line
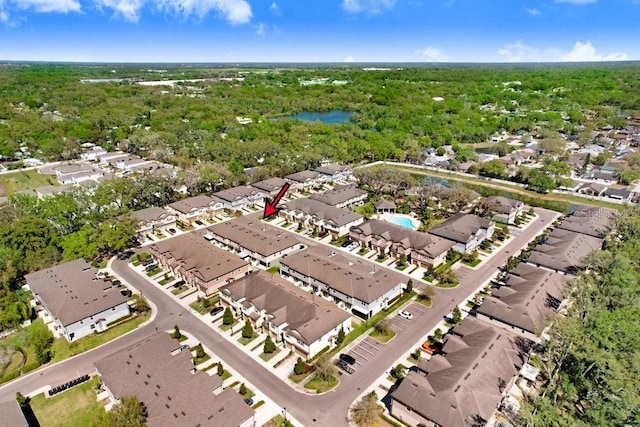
(333,117)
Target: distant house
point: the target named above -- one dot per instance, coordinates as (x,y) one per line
(130,164)
(357,285)
(74,301)
(254,240)
(74,173)
(334,172)
(195,208)
(464,385)
(526,301)
(592,189)
(199,263)
(105,158)
(384,206)
(504,209)
(601,175)
(618,194)
(32,162)
(466,231)
(161,375)
(314,214)
(270,187)
(92,153)
(238,197)
(421,249)
(304,180)
(153,218)
(342,196)
(288,314)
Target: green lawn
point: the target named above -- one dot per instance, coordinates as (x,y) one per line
(383,337)
(472,263)
(180,289)
(163,282)
(426,302)
(274,269)
(25,180)
(320,386)
(62,349)
(245,341)
(448,285)
(75,407)
(266,357)
(154,272)
(200,307)
(225,375)
(197,361)
(298,378)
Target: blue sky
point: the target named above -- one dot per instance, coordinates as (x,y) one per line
(320,30)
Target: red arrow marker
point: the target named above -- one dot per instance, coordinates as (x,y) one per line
(270,207)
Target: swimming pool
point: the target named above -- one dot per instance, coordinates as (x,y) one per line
(402,220)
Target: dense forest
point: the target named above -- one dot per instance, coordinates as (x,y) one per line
(591,364)
(396,111)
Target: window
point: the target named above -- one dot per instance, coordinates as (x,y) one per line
(93,326)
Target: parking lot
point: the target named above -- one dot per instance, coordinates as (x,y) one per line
(366,350)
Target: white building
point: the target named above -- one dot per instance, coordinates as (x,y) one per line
(354,284)
(74,301)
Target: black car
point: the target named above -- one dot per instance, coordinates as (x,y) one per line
(347,243)
(216,310)
(347,358)
(249,401)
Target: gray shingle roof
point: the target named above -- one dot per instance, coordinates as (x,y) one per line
(465,386)
(337,217)
(164,383)
(270,185)
(192,203)
(339,195)
(255,235)
(530,297)
(198,257)
(431,246)
(348,274)
(563,250)
(460,227)
(71,291)
(307,318)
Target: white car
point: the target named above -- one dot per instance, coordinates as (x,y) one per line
(405,314)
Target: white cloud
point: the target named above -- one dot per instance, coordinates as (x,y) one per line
(432,54)
(518,52)
(274,8)
(577,1)
(261,29)
(586,52)
(368,6)
(581,52)
(46,6)
(532,11)
(348,58)
(128,9)
(234,11)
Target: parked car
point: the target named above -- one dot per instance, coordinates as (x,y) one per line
(216,310)
(405,314)
(184,347)
(198,222)
(172,231)
(347,358)
(346,243)
(151,267)
(148,261)
(249,401)
(345,367)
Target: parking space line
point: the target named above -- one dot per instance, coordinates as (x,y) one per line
(358,354)
(364,349)
(370,345)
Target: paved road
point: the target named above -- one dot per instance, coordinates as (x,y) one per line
(329,409)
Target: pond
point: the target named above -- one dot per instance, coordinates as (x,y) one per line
(332,117)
